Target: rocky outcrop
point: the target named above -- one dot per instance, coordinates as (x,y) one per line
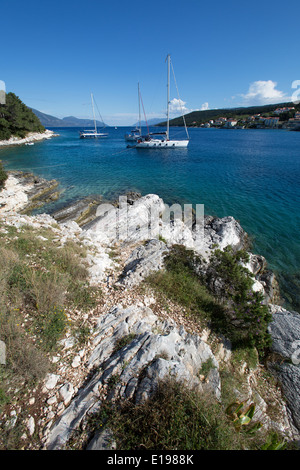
(143,219)
(223,232)
(285,332)
(143,261)
(81,211)
(151,350)
(24,192)
(97,257)
(132,347)
(31,137)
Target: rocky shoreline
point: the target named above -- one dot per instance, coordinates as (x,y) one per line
(24,192)
(31,138)
(162,339)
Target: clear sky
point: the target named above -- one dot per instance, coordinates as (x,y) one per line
(225,53)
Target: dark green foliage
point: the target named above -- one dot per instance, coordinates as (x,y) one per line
(124,341)
(247,314)
(223,296)
(173,418)
(16,119)
(3,174)
(181,283)
(200,117)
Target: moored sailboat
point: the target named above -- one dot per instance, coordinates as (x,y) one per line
(136,133)
(92,133)
(150,141)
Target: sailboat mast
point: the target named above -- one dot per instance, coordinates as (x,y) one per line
(168,97)
(94,112)
(139,97)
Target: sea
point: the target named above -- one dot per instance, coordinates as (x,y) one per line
(252,175)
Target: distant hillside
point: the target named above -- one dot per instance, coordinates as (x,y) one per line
(16,119)
(151,122)
(197,118)
(70,121)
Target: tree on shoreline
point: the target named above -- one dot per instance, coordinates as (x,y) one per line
(16,119)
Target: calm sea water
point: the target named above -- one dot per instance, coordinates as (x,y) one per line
(253,175)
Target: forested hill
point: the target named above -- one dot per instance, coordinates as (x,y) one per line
(197,118)
(16,119)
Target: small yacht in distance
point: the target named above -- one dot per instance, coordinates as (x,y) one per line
(92,133)
(136,133)
(149,141)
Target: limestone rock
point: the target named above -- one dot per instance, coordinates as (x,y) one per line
(66,392)
(132,368)
(285,333)
(127,222)
(31,425)
(51,381)
(144,260)
(102,441)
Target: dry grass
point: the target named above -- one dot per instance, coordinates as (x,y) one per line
(40,283)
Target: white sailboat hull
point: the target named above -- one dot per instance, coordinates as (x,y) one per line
(92,135)
(132,138)
(162,144)
(149,142)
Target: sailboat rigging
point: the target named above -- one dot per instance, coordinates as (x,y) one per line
(149,141)
(92,134)
(136,133)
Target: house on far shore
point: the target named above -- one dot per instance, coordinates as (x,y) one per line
(220,121)
(283,110)
(294,123)
(231,123)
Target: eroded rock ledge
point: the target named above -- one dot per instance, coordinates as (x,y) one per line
(31,137)
(24,192)
(156,350)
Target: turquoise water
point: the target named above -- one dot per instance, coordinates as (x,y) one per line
(253,175)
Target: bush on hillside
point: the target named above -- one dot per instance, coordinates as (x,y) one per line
(3,175)
(16,119)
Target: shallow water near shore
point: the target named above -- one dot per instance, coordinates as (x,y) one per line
(252,175)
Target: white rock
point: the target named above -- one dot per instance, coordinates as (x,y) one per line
(66,392)
(76,362)
(52,400)
(51,381)
(154,355)
(30,425)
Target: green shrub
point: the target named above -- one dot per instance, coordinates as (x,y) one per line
(3,175)
(17,119)
(124,341)
(50,327)
(24,360)
(248,317)
(43,281)
(180,283)
(175,417)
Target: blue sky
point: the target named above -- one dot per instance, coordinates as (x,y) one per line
(225,54)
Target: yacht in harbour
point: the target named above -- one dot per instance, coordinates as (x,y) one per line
(92,133)
(153,140)
(135,134)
